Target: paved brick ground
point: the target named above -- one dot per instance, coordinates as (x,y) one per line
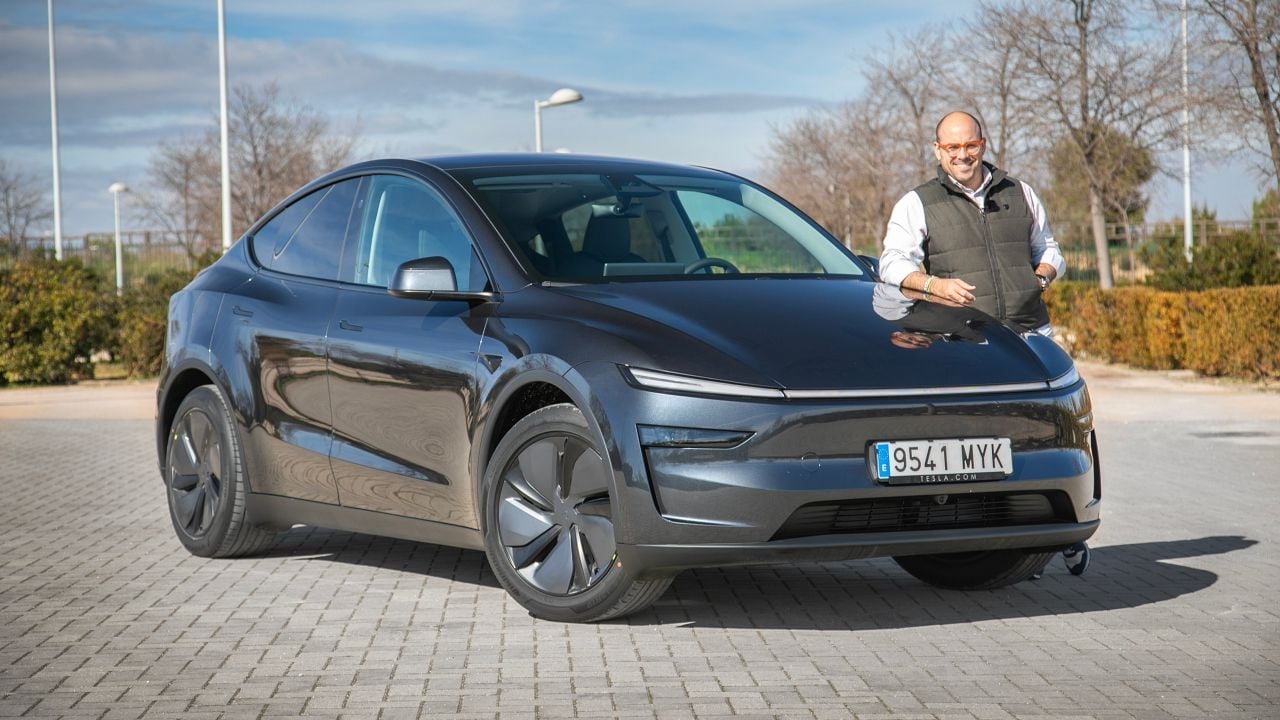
(103,615)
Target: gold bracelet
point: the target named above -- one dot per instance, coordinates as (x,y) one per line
(927,283)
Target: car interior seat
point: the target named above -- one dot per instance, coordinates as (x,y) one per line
(607,240)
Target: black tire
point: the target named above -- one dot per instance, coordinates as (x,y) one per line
(985,570)
(204,480)
(548,523)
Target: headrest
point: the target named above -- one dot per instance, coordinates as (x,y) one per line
(608,238)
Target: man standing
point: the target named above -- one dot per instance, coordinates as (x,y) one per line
(983,239)
(981,236)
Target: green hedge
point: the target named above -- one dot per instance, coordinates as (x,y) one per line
(53,315)
(140,330)
(1224,331)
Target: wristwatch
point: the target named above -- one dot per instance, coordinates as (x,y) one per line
(1044,282)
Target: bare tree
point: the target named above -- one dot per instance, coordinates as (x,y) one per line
(909,82)
(990,80)
(183,193)
(1248,33)
(828,164)
(848,166)
(1092,74)
(805,160)
(276,146)
(22,206)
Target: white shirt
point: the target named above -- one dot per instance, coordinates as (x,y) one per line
(904,240)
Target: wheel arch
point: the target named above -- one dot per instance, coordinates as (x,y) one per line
(532,395)
(521,394)
(176,389)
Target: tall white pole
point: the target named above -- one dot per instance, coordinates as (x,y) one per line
(115,193)
(57,163)
(222,100)
(537,125)
(1186,142)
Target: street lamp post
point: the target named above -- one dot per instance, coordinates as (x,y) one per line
(57,163)
(222,126)
(115,190)
(563,96)
(1188,238)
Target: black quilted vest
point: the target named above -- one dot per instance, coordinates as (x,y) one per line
(990,250)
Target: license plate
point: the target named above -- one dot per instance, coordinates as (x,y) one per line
(903,462)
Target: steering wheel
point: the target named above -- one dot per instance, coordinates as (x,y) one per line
(710,262)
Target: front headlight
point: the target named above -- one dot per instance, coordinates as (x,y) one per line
(1067,379)
(671,382)
(652,436)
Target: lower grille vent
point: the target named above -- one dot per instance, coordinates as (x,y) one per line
(899,514)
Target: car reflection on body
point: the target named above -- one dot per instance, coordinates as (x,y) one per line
(601,372)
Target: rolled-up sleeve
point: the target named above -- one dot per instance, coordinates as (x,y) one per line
(1044,248)
(903,251)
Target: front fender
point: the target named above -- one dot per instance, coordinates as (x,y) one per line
(499,389)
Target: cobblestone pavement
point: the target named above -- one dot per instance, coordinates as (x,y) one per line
(104,615)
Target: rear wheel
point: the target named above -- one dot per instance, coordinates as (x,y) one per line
(548,530)
(983,570)
(205,482)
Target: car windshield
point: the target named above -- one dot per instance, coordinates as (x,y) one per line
(600,227)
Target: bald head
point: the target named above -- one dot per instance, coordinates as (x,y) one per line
(959,147)
(958,122)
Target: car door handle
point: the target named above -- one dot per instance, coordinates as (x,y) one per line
(242,312)
(350,326)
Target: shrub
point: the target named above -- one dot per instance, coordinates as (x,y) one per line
(1235,260)
(53,315)
(1234,332)
(140,331)
(1224,331)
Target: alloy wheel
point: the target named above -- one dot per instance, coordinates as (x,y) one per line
(196,473)
(555,519)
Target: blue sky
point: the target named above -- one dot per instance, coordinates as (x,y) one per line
(694,82)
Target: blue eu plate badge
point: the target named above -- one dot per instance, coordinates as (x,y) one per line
(882,461)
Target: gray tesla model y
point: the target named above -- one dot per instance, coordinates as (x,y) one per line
(601,372)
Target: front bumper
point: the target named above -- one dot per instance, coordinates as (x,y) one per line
(696,506)
(662,559)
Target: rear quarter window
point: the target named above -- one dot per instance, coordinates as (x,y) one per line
(306,238)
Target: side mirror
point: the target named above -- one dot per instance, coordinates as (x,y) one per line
(423,276)
(432,278)
(874,262)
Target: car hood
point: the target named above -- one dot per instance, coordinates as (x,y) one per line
(819,334)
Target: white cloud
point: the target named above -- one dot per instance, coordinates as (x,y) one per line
(695,82)
(121,93)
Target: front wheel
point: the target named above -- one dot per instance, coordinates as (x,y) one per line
(983,570)
(548,530)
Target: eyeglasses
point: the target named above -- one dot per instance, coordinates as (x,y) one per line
(970,148)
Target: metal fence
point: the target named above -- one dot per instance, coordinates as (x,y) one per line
(142,252)
(1126,243)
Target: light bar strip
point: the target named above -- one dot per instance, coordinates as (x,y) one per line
(684,383)
(913,392)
